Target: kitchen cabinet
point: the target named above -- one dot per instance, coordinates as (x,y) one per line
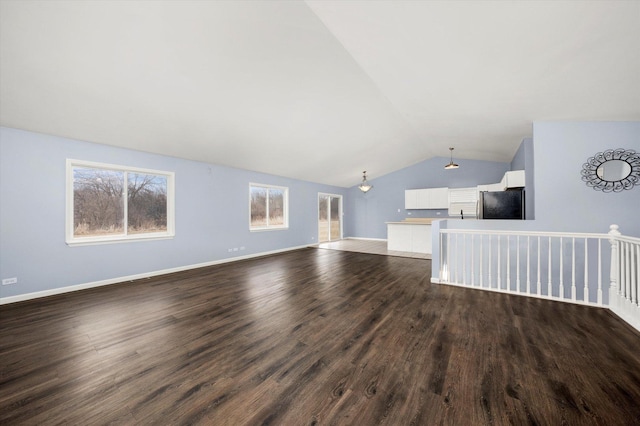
(463,200)
(491,187)
(416,199)
(439,198)
(513,179)
(459,199)
(427,198)
(409,237)
(399,237)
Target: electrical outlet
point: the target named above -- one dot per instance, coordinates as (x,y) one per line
(230,250)
(8,281)
(235,249)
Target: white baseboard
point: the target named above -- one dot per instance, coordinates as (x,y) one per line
(68,289)
(366,239)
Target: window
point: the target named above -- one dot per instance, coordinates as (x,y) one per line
(269,207)
(107,203)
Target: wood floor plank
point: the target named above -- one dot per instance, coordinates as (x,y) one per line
(318,337)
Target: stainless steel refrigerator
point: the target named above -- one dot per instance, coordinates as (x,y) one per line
(507,204)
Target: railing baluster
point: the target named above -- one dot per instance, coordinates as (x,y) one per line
(634,275)
(621,274)
(499,268)
(472,261)
(457,259)
(549,290)
(561,292)
(623,270)
(599,272)
(453,263)
(518,289)
(490,263)
(586,272)
(573,269)
(538,278)
(628,272)
(442,256)
(464,259)
(480,263)
(448,279)
(508,263)
(618,275)
(528,265)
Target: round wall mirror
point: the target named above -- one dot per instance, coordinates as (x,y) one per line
(613,170)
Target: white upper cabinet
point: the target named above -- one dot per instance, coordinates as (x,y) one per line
(411,198)
(463,200)
(439,198)
(428,198)
(458,199)
(514,179)
(491,187)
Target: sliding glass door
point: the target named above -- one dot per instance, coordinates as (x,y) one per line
(329,217)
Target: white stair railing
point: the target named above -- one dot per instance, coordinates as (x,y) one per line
(569,267)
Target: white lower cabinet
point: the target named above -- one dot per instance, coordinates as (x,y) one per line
(398,237)
(415,238)
(421,239)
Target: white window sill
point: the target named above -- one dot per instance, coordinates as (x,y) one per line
(272,228)
(90,241)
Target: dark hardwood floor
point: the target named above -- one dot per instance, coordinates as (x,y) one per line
(313,337)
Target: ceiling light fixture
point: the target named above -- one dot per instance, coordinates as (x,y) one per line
(364,186)
(451,165)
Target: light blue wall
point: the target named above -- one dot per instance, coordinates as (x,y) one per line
(519,159)
(523,160)
(212,215)
(212,203)
(563,203)
(366,214)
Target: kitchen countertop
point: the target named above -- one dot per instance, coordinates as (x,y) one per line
(416,221)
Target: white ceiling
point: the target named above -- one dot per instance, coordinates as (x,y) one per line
(316,90)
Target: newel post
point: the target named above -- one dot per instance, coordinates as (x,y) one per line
(615,264)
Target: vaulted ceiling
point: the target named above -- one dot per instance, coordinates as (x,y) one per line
(316,90)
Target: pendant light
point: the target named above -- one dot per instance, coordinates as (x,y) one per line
(451,165)
(364,186)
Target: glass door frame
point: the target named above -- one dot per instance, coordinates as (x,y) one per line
(340,216)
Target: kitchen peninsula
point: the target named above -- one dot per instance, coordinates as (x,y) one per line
(410,235)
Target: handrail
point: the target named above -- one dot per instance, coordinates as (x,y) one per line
(626,238)
(525,233)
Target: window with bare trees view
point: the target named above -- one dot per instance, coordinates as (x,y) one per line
(108,203)
(269,206)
